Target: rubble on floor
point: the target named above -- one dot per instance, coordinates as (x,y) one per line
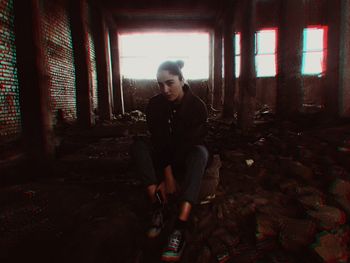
(283,195)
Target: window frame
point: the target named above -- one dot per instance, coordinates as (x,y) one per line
(324,51)
(256,53)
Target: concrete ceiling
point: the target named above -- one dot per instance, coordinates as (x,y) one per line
(164,10)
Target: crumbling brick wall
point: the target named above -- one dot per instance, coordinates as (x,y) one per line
(59,58)
(93,71)
(10,118)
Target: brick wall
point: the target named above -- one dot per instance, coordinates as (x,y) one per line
(93,62)
(10,119)
(59,57)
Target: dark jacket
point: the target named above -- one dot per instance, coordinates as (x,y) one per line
(174,127)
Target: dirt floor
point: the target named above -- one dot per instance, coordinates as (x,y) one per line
(283,196)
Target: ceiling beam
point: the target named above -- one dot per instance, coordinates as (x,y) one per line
(164,25)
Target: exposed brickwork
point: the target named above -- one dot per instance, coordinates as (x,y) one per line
(93,64)
(10,119)
(59,57)
(93,72)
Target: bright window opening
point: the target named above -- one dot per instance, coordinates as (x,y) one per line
(265,53)
(238,54)
(314,50)
(142,53)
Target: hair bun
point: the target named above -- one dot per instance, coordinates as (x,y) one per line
(180,63)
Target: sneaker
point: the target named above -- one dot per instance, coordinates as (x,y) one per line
(157,223)
(223,257)
(175,246)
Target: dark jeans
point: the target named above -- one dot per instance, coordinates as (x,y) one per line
(189,175)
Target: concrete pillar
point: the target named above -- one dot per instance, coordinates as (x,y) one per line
(345,59)
(229,87)
(103,68)
(117,85)
(33,82)
(79,18)
(247,80)
(332,91)
(210,89)
(289,55)
(217,88)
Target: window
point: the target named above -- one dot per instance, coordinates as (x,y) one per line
(238,53)
(142,53)
(314,50)
(265,52)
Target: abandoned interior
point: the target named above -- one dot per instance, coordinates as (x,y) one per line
(277,89)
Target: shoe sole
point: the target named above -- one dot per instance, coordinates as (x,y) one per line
(170,259)
(173,258)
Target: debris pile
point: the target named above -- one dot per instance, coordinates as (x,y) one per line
(278,194)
